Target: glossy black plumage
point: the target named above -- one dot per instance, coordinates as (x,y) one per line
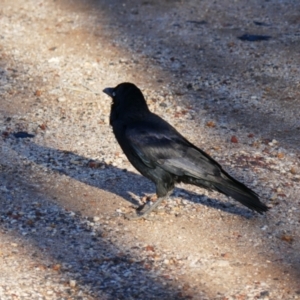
(159,152)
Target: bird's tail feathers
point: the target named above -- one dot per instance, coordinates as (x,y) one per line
(238,191)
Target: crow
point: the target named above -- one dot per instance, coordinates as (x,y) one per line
(160,153)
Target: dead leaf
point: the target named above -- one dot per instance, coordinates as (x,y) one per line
(43,126)
(149,248)
(240,297)
(38,93)
(280,155)
(56,267)
(234,139)
(93,164)
(287,238)
(293,170)
(5,134)
(282,195)
(225,255)
(211,124)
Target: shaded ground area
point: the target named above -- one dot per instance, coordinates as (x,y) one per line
(64,192)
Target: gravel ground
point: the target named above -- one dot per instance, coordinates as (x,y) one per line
(66,185)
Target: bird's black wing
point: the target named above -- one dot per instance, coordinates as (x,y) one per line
(163,146)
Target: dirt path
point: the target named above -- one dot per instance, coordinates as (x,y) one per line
(63,193)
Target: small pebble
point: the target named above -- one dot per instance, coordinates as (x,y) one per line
(61,99)
(72,283)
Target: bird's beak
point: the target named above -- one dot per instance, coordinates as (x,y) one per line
(109,91)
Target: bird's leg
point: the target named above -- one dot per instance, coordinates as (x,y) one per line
(163,191)
(146,210)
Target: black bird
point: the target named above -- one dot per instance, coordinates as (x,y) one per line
(160,153)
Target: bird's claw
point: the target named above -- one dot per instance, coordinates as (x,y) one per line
(135,216)
(142,212)
(138,216)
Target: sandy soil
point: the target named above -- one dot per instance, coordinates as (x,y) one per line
(65,191)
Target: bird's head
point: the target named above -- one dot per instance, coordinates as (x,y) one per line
(127,98)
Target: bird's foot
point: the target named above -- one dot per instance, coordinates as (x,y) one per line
(143,211)
(140,213)
(136,216)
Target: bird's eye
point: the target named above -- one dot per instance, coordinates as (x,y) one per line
(113,94)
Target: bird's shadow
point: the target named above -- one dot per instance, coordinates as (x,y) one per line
(110,178)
